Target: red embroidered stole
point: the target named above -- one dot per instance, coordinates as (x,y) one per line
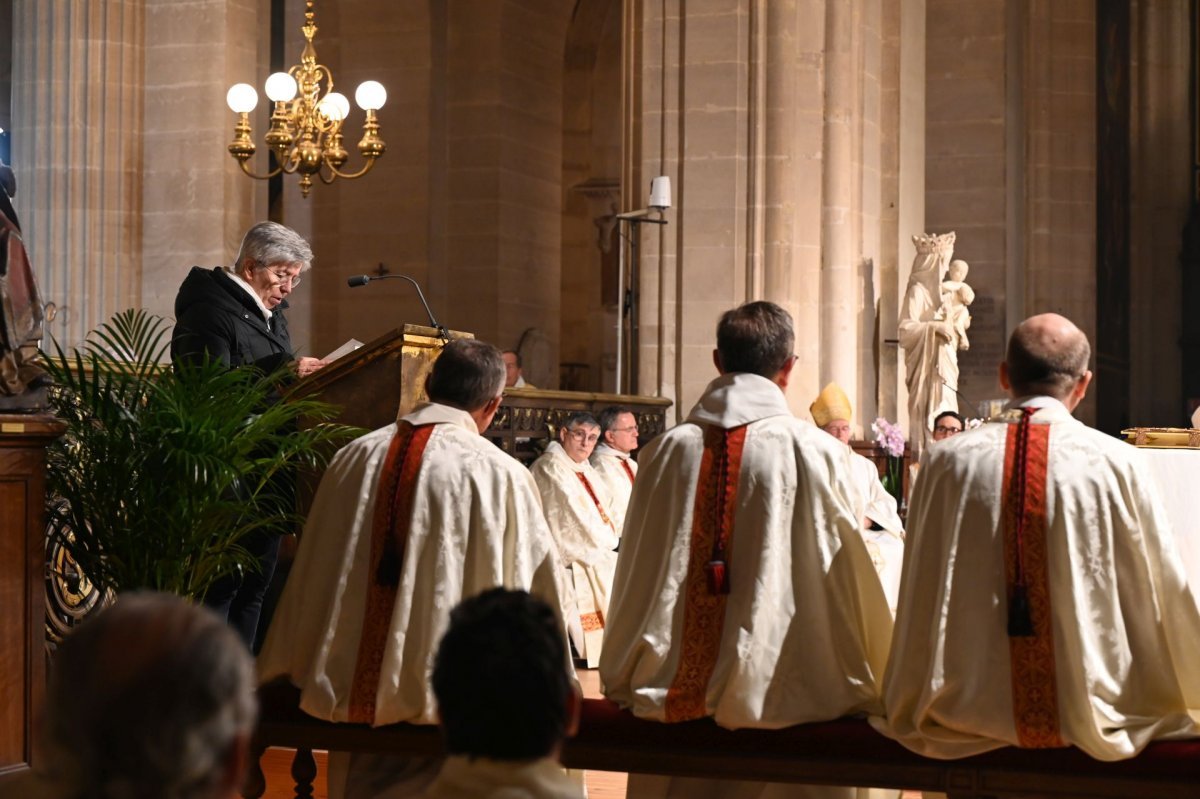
(707,586)
(628,469)
(1034,681)
(587,486)
(389,535)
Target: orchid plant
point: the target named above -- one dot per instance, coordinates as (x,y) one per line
(890,438)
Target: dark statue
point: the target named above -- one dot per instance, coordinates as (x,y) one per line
(22,379)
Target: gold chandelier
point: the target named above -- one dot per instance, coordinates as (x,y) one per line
(306,123)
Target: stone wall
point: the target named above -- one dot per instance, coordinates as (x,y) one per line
(967,186)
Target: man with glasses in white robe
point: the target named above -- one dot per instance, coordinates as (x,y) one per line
(579,513)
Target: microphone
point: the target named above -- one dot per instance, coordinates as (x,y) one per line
(362,280)
(961,395)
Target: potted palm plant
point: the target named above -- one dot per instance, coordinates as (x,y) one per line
(163,471)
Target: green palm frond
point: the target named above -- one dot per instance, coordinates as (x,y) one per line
(163,471)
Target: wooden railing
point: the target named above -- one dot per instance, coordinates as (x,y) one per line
(842,752)
(530,417)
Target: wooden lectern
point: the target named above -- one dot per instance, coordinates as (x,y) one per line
(381,381)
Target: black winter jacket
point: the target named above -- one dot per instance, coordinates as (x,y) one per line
(215,315)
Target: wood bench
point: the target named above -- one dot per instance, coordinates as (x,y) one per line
(842,752)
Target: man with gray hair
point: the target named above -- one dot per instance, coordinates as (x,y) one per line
(151,697)
(1044,602)
(744,591)
(407,521)
(235,314)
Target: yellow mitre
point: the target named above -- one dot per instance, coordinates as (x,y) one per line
(832,403)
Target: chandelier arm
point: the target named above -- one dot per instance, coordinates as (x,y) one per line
(351,175)
(267,176)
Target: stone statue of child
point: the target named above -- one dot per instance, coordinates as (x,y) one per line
(956,296)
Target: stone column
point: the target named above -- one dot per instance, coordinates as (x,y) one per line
(1060,170)
(119,144)
(503,170)
(971,177)
(77,136)
(769,117)
(197,204)
(902,182)
(793,42)
(841,155)
(1161,157)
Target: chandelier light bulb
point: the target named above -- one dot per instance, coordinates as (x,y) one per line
(334,106)
(241,98)
(370,95)
(280,87)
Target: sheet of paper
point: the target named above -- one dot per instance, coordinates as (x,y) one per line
(347,348)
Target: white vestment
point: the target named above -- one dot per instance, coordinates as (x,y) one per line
(464,777)
(1114,659)
(618,471)
(885,546)
(579,512)
(803,632)
(475,523)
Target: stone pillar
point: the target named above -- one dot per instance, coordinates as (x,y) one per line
(383,218)
(197,204)
(902,181)
(792,109)
(969,122)
(77,136)
(502,173)
(770,118)
(692,118)
(1161,158)
(1060,170)
(842,154)
(119,142)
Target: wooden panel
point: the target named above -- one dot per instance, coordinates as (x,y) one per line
(23,441)
(14,677)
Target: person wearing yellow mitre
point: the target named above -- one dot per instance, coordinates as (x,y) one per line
(880,524)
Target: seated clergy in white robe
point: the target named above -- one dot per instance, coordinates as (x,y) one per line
(408,520)
(874,506)
(1044,603)
(610,459)
(744,590)
(579,512)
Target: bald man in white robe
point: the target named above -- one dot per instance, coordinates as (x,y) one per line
(744,591)
(407,521)
(1044,602)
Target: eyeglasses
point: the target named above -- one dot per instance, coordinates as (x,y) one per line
(631,429)
(583,436)
(284,277)
(947,431)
